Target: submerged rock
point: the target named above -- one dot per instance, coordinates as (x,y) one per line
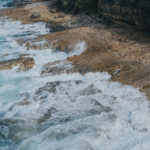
(53,91)
(51,87)
(58,67)
(90,90)
(47,115)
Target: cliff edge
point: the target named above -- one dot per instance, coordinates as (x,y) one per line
(134,12)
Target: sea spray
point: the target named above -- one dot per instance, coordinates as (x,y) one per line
(65,111)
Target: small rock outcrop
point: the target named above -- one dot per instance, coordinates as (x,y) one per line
(35,15)
(22,63)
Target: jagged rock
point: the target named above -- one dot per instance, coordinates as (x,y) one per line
(58,67)
(35,15)
(47,115)
(51,87)
(54,27)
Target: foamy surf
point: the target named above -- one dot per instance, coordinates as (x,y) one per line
(65,111)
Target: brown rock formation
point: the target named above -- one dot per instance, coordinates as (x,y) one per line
(23,63)
(46,15)
(124,53)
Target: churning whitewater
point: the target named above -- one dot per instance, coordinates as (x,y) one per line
(65,111)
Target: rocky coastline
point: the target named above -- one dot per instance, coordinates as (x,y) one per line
(69,80)
(121,51)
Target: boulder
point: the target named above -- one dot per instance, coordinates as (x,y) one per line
(35,15)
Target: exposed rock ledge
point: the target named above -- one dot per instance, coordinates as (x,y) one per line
(124,53)
(22,63)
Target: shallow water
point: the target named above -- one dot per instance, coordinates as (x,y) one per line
(5,3)
(67,111)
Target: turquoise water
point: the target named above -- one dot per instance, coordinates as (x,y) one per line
(66,111)
(5,3)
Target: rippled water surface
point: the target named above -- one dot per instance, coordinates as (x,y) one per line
(66,111)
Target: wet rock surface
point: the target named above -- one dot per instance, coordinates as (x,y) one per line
(54,94)
(123,52)
(56,89)
(22,63)
(61,109)
(62,106)
(58,67)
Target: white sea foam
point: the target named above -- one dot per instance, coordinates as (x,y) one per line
(87,111)
(78,49)
(126,126)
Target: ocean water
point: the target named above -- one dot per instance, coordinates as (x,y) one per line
(5,3)
(66,111)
